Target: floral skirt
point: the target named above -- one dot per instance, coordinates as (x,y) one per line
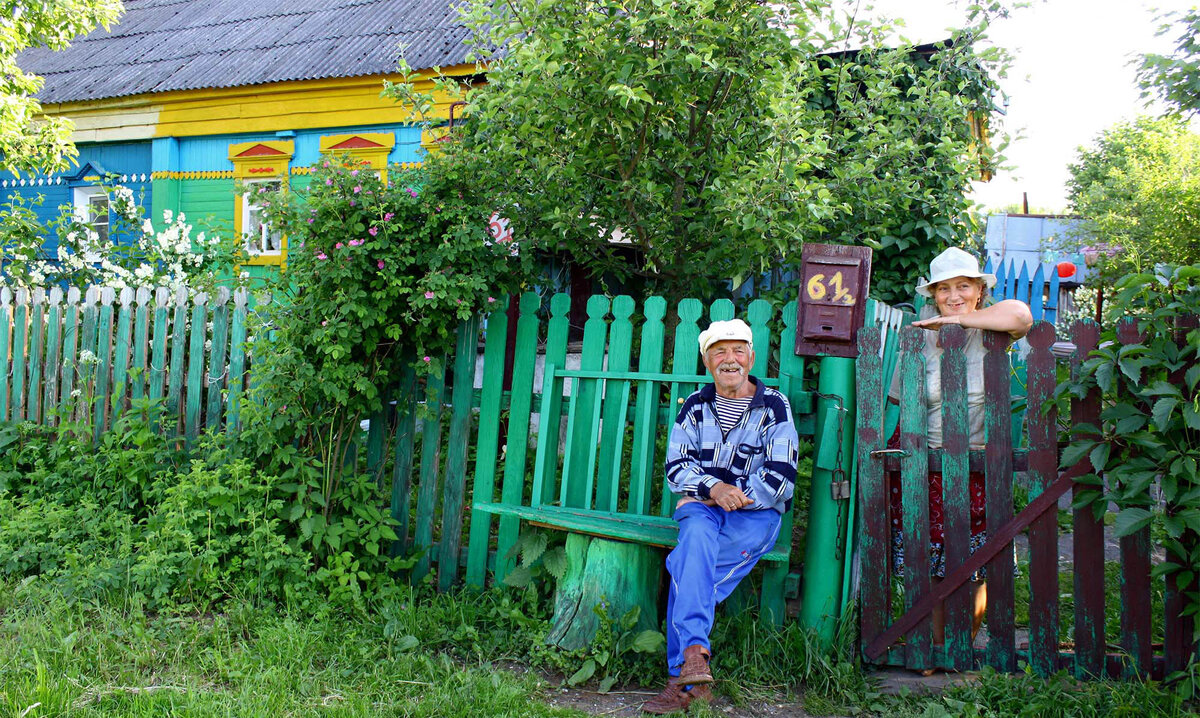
(937,555)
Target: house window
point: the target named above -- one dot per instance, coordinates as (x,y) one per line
(91,205)
(260,238)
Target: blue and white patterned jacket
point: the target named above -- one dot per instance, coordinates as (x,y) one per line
(758,455)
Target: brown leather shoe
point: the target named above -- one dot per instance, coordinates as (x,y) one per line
(673,699)
(695,666)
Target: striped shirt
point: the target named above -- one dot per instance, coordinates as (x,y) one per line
(730,411)
(758,455)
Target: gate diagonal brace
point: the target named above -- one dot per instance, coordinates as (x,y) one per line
(959,576)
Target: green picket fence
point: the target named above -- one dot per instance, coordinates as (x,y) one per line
(440,443)
(87,357)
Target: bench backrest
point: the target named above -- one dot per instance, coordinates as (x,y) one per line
(617,423)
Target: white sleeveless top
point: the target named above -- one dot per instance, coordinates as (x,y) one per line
(974,351)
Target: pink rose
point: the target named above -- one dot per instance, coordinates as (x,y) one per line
(322,256)
(310,220)
(373,231)
(426,358)
(411,191)
(429,295)
(491,299)
(388,217)
(354,173)
(339,245)
(328,181)
(357,189)
(379,264)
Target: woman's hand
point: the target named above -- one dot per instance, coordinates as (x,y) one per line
(936,323)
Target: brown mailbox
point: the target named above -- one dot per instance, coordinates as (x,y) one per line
(834,281)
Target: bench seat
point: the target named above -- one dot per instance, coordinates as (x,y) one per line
(650,530)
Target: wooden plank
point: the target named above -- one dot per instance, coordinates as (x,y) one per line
(1023,284)
(141,336)
(1088,530)
(195,372)
(6,322)
(36,346)
(545,463)
(1135,563)
(616,405)
(456,453)
(178,353)
(121,351)
(431,455)
(487,443)
(87,370)
(218,367)
(1037,301)
(998,503)
(874,540)
(644,466)
(914,481)
(557,331)
(1043,532)
(758,316)
(685,360)
(652,530)
(956,494)
(54,326)
(19,349)
(402,458)
(103,369)
(513,486)
(158,345)
(71,329)
(237,361)
(576,475)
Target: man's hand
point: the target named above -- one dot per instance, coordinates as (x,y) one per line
(694,500)
(729,497)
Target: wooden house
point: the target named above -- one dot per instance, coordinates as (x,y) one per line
(186,101)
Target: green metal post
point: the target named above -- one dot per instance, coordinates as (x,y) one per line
(825,549)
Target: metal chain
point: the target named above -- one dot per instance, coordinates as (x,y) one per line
(839,475)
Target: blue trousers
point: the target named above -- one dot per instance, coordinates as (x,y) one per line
(716,549)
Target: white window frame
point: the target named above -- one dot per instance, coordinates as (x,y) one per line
(82,202)
(256,243)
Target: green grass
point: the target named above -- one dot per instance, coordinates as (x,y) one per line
(59,659)
(427,654)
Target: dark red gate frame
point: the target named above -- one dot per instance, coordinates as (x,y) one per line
(1090,657)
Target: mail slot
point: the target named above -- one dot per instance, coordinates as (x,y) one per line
(834,281)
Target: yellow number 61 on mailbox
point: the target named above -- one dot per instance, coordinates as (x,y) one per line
(834,281)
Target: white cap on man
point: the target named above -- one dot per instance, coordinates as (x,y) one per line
(720,331)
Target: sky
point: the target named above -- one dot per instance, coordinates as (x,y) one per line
(1070,80)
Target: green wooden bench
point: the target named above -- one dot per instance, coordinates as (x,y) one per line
(598,472)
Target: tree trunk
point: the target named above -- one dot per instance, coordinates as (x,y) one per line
(619,574)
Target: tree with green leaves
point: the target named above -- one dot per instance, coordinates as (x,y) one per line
(29,141)
(1175,79)
(689,144)
(1138,186)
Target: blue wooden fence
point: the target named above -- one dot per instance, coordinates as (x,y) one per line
(1040,292)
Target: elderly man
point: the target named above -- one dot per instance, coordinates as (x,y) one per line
(733,458)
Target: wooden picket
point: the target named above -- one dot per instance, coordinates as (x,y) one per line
(1089,656)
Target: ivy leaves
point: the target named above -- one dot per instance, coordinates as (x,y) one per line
(1147,372)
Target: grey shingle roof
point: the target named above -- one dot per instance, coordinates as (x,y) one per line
(163,45)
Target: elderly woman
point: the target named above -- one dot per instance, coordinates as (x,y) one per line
(959,292)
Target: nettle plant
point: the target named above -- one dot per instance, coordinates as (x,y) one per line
(132,254)
(1149,434)
(378,278)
